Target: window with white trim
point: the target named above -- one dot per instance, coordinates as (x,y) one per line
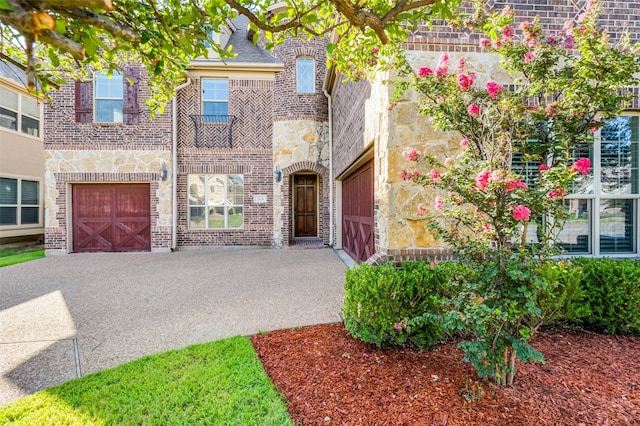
(108,97)
(215,201)
(18,112)
(603,206)
(215,97)
(305,75)
(19,202)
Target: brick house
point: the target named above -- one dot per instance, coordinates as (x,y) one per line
(266,149)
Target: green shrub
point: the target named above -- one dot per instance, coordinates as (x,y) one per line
(381,302)
(563,299)
(612,294)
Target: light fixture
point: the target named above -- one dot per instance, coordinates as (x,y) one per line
(277,174)
(164,172)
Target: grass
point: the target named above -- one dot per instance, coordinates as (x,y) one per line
(221,383)
(20,254)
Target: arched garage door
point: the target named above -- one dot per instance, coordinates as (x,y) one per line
(357,213)
(111,217)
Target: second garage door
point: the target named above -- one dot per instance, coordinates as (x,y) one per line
(357,213)
(111,217)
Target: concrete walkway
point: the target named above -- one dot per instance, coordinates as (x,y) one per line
(66,316)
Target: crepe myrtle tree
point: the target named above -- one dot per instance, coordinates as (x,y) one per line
(49,39)
(486,203)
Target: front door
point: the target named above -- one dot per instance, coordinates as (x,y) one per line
(305,206)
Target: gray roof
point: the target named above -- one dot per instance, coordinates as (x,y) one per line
(246,51)
(11,72)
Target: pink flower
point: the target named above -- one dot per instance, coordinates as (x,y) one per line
(473,109)
(463,82)
(524,26)
(493,89)
(448,161)
(558,193)
(472,78)
(593,129)
(411,154)
(542,167)
(529,57)
(375,50)
(551,110)
(482,179)
(424,71)
(439,203)
(521,213)
(515,184)
(496,176)
(397,326)
(552,40)
(485,42)
(435,175)
(486,227)
(421,210)
(464,143)
(569,42)
(442,70)
(460,66)
(581,165)
(508,31)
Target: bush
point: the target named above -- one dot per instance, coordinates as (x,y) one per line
(612,295)
(381,302)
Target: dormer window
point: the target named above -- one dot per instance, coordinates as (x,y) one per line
(305,75)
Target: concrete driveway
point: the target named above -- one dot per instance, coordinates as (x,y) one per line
(66,316)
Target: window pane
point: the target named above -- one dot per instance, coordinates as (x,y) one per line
(196,217)
(574,235)
(8,191)
(616,226)
(108,111)
(305,75)
(8,99)
(29,215)
(235,217)
(196,190)
(235,189)
(30,107)
(583,184)
(108,87)
(215,108)
(30,192)
(8,119)
(216,217)
(30,126)
(216,190)
(215,89)
(619,156)
(8,216)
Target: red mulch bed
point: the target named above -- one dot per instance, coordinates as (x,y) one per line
(330,378)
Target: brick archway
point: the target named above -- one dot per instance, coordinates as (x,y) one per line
(322,173)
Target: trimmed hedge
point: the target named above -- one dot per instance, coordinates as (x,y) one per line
(381,301)
(611,295)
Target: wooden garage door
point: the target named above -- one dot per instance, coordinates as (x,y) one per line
(111,217)
(357,213)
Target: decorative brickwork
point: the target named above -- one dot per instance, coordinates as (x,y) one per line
(256,166)
(250,101)
(305,167)
(290,105)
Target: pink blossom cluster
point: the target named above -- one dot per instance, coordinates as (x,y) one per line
(464,81)
(411,154)
(542,167)
(421,210)
(424,71)
(442,70)
(410,175)
(464,143)
(521,213)
(482,179)
(438,203)
(558,193)
(514,184)
(582,165)
(435,175)
(493,89)
(473,109)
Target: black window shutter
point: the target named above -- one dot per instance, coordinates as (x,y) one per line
(130,108)
(84,101)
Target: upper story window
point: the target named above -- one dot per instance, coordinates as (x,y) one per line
(19,113)
(108,97)
(305,75)
(19,202)
(215,96)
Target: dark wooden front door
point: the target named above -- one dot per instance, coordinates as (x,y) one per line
(305,206)
(111,217)
(357,213)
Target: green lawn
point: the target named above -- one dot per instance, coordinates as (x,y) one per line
(19,255)
(218,383)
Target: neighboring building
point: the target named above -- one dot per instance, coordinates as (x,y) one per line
(21,160)
(263,149)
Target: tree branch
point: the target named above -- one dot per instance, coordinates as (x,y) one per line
(85,4)
(270,28)
(56,40)
(405,6)
(91,18)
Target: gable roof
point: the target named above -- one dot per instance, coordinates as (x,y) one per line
(244,48)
